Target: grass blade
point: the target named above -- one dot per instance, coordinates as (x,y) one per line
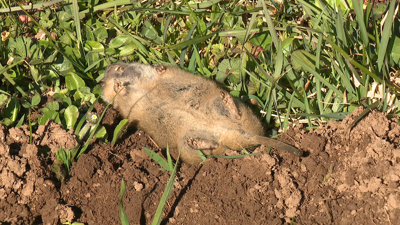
(196,40)
(360,19)
(317,82)
(165,196)
(31,7)
(164,164)
(75,9)
(184,48)
(358,65)
(170,163)
(83,119)
(122,213)
(107,5)
(387,31)
(317,75)
(271,26)
(340,29)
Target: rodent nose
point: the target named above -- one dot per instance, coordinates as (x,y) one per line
(160,69)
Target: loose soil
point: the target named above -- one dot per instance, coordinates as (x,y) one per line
(350,175)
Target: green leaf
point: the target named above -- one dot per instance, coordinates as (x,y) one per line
(127,50)
(286,45)
(261,39)
(94,46)
(73,81)
(36,61)
(110,51)
(53,106)
(48,115)
(119,41)
(36,99)
(101,33)
(7,122)
(151,33)
(26,104)
(101,132)
(395,54)
(84,94)
(93,60)
(3,99)
(71,116)
(228,67)
(118,130)
(12,109)
(379,9)
(67,14)
(21,121)
(97,90)
(63,67)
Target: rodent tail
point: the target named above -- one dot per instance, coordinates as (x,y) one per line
(278,145)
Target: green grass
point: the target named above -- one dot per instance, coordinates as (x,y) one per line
(298,60)
(313,60)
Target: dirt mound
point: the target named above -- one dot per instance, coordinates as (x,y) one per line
(350,176)
(28,194)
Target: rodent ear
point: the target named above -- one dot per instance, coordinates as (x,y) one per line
(118,86)
(160,69)
(230,104)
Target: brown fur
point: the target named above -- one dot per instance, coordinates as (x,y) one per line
(183,110)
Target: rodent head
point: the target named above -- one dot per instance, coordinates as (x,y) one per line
(131,81)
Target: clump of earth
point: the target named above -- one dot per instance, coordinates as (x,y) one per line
(350,175)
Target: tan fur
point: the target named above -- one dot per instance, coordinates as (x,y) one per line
(183,110)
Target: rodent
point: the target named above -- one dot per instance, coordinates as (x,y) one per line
(183,110)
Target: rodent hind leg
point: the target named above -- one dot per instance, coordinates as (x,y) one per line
(193,141)
(201,144)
